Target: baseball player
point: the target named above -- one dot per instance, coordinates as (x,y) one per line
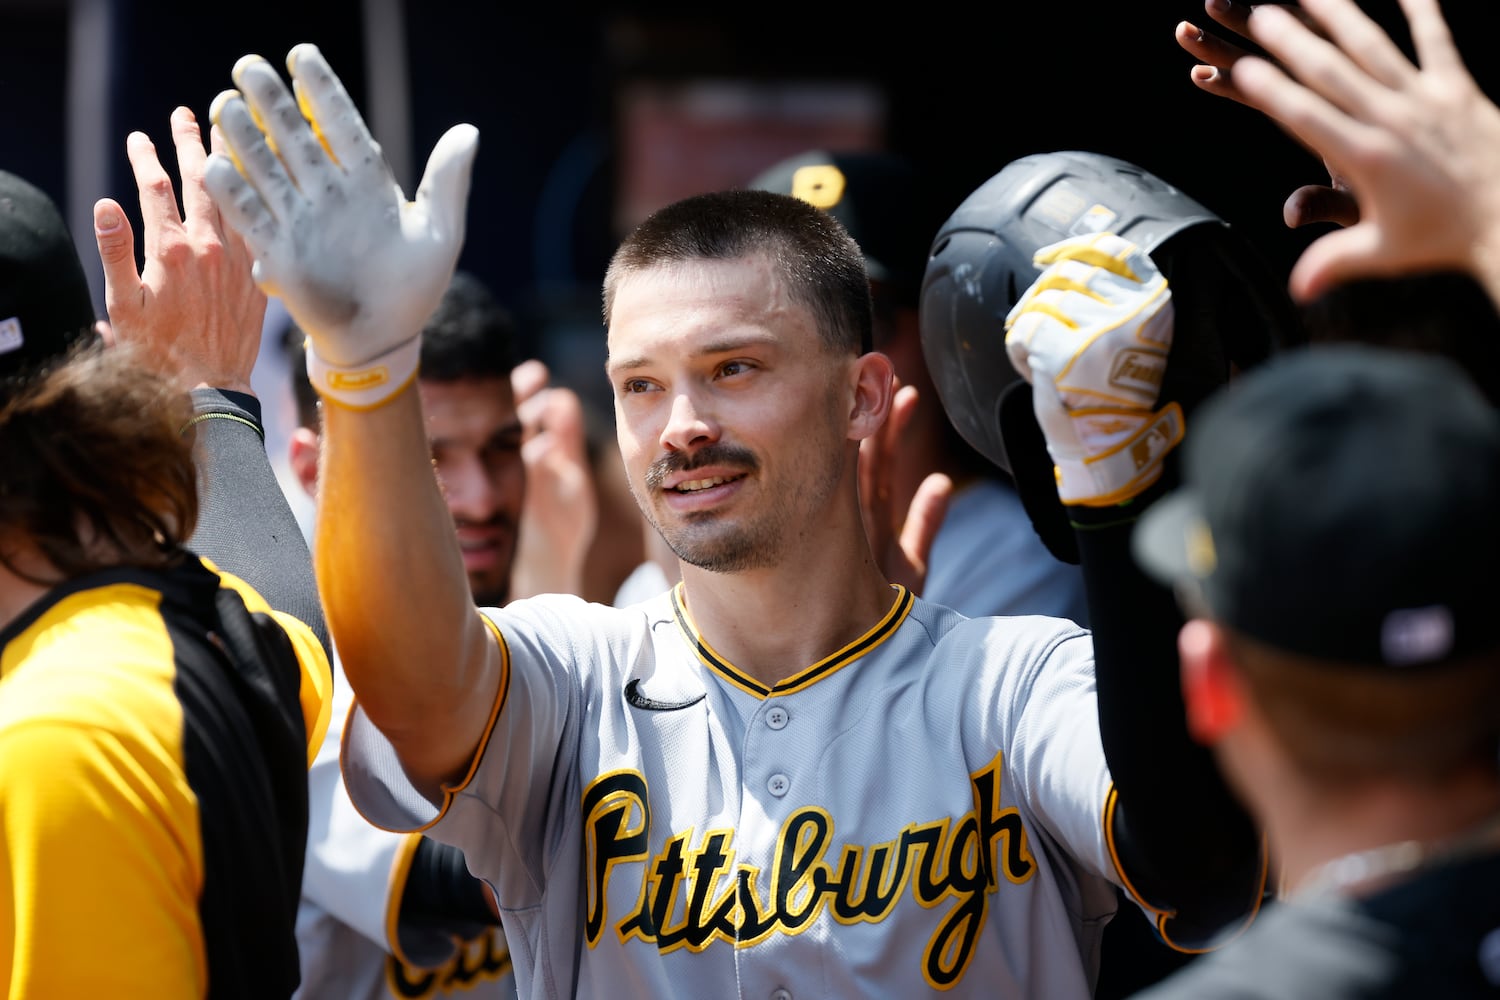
(784,776)
(387,915)
(1334,540)
(157,716)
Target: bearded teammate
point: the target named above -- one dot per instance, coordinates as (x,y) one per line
(785,776)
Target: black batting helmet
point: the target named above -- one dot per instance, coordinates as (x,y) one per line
(1231,311)
(980,264)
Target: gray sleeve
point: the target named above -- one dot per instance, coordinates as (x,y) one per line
(245,524)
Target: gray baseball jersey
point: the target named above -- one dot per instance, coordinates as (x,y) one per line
(348,941)
(919,812)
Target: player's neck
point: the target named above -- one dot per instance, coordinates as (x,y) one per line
(815,609)
(1311,833)
(16,592)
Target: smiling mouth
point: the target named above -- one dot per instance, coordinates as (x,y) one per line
(694,485)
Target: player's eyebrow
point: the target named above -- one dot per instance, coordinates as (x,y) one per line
(611,365)
(511,430)
(725,344)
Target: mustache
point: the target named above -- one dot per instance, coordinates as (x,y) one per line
(714,454)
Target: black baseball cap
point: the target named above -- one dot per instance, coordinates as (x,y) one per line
(45,305)
(877,197)
(1340,501)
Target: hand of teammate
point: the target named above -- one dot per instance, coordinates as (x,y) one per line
(1415,143)
(1331,203)
(191,309)
(1092,335)
(900,524)
(560,515)
(359,267)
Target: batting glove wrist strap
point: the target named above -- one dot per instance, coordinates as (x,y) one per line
(1116,474)
(368,385)
(1092,335)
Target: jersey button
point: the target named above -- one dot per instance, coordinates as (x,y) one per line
(778,786)
(777,717)
(781,994)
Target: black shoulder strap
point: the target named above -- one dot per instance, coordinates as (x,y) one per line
(245,755)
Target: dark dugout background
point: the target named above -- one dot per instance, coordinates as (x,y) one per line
(964,89)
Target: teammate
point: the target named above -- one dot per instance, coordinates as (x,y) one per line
(1334,541)
(157,716)
(399,915)
(785,775)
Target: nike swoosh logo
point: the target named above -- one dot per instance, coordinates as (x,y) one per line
(634,696)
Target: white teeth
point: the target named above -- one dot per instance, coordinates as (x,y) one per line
(693,485)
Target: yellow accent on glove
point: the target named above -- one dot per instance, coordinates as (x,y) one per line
(1092,335)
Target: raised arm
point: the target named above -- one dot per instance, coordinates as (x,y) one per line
(361,268)
(901,528)
(195,314)
(560,515)
(1332,202)
(1092,337)
(1416,146)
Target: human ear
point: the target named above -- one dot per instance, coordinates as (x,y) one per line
(872,380)
(1211,688)
(302,457)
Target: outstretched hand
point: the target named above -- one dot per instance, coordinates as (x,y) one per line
(1415,144)
(901,529)
(560,515)
(192,309)
(1333,202)
(359,267)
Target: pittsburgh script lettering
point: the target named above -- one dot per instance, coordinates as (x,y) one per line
(692,893)
(477,960)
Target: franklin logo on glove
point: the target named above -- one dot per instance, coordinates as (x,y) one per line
(1139,371)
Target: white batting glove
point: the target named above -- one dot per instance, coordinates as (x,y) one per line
(358,266)
(1092,335)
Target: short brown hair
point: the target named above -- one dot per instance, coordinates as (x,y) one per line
(1344,723)
(471,335)
(98,470)
(822,265)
